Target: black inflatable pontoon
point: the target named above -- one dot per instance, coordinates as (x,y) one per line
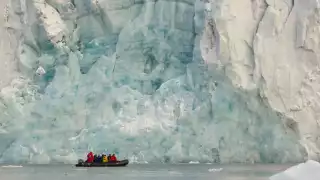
(81,163)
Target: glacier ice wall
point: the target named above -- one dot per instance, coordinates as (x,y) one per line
(166,80)
(275,49)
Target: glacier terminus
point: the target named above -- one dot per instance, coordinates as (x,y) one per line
(218,81)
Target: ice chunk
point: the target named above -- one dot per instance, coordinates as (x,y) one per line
(309,170)
(40,71)
(11,166)
(215,170)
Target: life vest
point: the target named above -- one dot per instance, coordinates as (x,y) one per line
(104,159)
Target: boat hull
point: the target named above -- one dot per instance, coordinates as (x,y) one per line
(107,164)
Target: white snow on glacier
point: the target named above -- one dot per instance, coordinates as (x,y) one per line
(166,80)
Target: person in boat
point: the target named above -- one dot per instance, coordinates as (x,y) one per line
(109,157)
(104,158)
(95,158)
(90,157)
(100,158)
(113,158)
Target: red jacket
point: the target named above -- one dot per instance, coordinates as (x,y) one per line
(90,157)
(113,158)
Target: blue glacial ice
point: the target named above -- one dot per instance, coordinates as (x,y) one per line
(128,77)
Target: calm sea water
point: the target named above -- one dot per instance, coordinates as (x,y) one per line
(141,172)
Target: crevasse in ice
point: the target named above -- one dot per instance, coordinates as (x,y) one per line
(129,77)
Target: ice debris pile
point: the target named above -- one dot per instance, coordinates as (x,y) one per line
(169,81)
(309,170)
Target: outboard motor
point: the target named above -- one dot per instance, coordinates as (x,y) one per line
(80,161)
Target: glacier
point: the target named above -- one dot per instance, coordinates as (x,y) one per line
(219,81)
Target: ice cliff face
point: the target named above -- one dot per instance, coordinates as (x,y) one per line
(167,80)
(275,49)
